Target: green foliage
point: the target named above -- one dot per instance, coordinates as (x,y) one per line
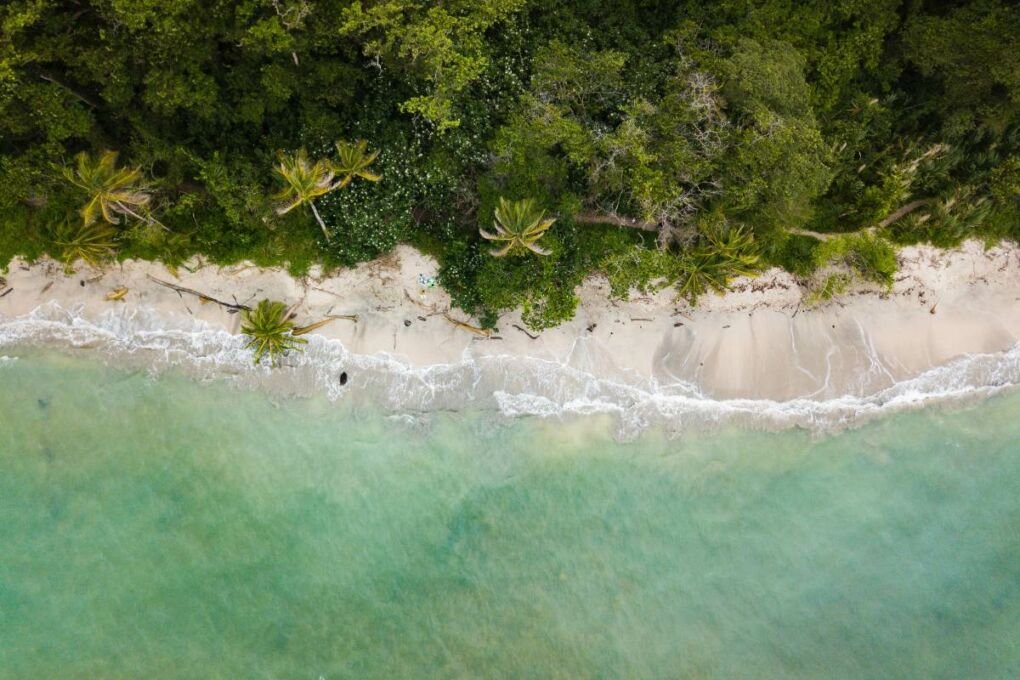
(646,270)
(871,257)
(441,44)
(971,55)
(270,331)
(831,286)
(704,125)
(779,163)
(794,253)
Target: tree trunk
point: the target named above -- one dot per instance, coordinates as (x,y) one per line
(814,234)
(598,218)
(319,220)
(891,219)
(908,208)
(232,308)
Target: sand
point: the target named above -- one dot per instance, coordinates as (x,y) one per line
(761,340)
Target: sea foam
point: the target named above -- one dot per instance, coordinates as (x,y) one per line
(513,386)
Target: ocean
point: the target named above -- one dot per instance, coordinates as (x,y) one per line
(164,524)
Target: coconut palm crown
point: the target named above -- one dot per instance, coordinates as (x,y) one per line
(354,161)
(303,181)
(93,243)
(270,331)
(112,191)
(726,254)
(518,225)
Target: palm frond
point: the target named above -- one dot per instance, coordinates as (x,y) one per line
(93,244)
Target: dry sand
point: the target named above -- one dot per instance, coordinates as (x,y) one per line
(759,341)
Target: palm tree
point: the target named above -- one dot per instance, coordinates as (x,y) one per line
(737,249)
(270,331)
(303,182)
(518,224)
(710,266)
(91,243)
(354,162)
(112,191)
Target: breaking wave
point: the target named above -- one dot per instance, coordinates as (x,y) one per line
(510,385)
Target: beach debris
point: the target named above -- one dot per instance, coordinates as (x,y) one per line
(481,332)
(6,292)
(431,309)
(304,330)
(932,310)
(343,378)
(117,294)
(427,281)
(522,330)
(46,287)
(232,308)
(407,323)
(591,327)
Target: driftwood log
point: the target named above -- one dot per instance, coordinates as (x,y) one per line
(231,307)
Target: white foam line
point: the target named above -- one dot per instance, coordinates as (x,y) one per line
(514,386)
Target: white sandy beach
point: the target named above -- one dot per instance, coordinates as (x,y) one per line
(760,341)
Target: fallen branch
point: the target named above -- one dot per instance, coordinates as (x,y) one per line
(232,308)
(431,309)
(617,220)
(302,330)
(481,332)
(530,335)
(892,218)
(908,208)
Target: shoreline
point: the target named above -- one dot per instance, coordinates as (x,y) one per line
(945,330)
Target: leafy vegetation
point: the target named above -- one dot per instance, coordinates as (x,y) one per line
(674,143)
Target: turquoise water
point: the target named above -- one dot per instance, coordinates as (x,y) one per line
(163,528)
